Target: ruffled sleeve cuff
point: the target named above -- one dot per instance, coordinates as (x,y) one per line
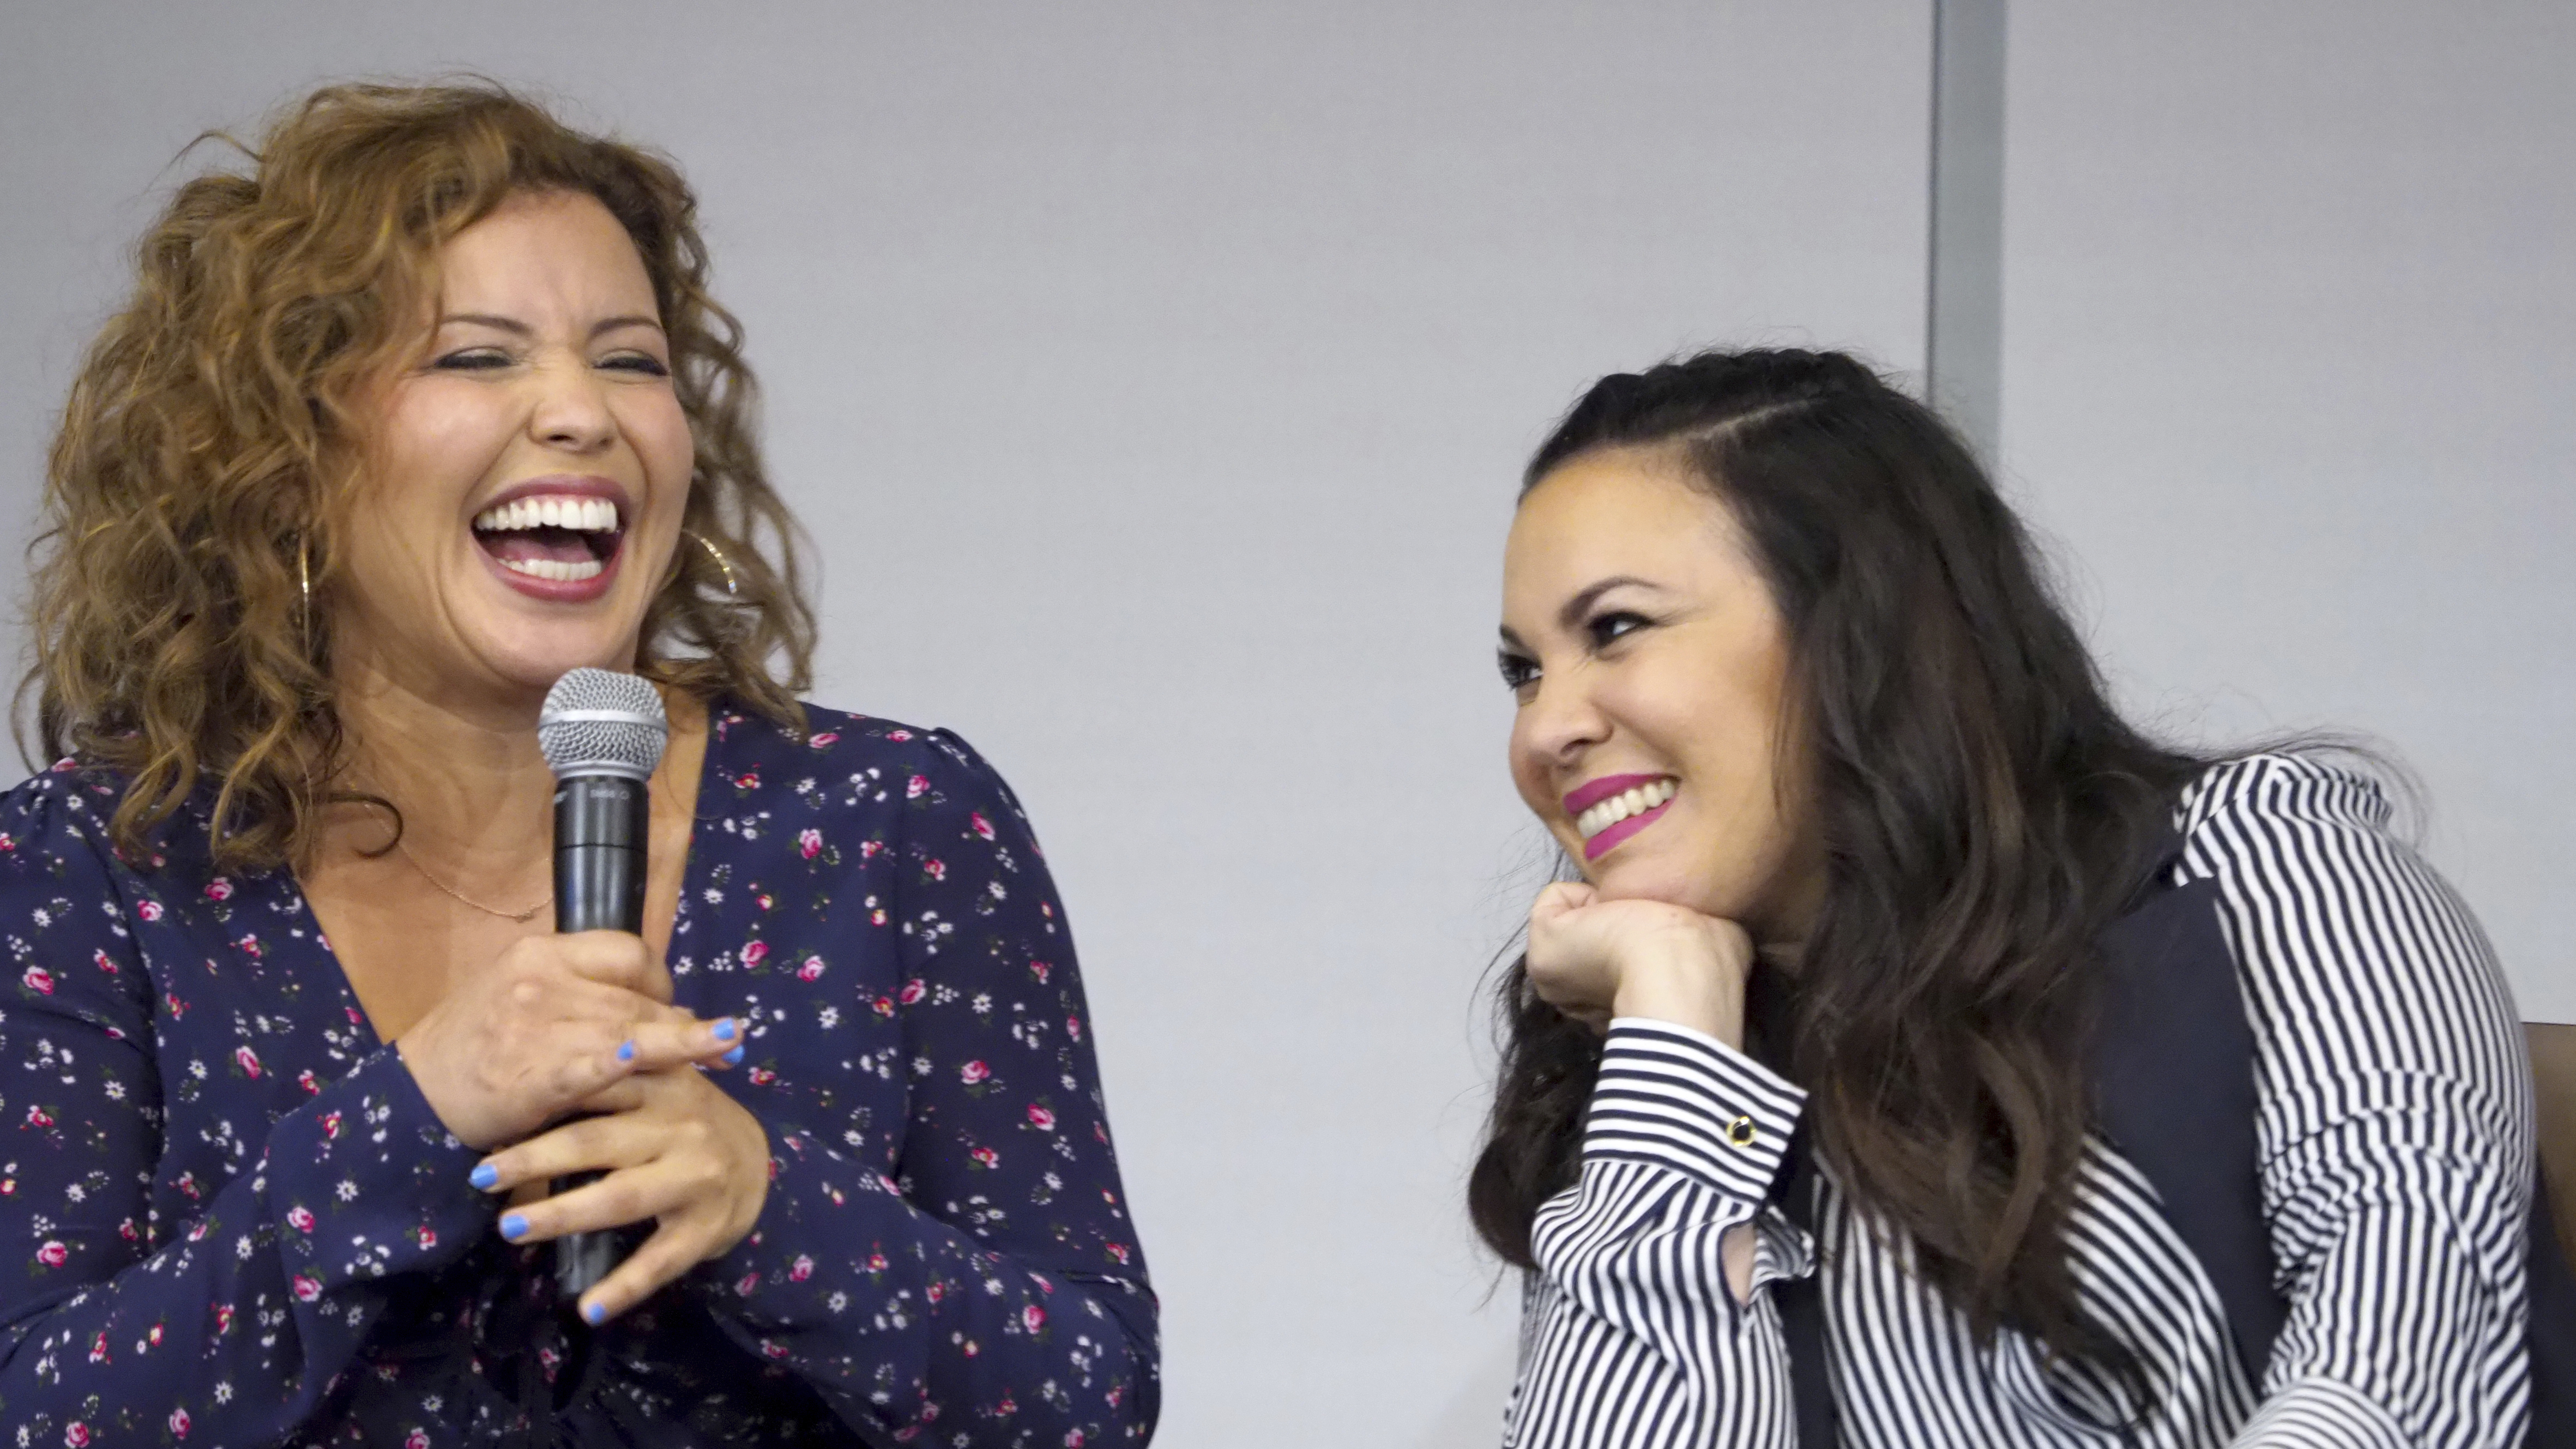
(831,1231)
(1685,1100)
(366,1182)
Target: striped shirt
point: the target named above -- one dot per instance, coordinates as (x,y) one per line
(2394,1144)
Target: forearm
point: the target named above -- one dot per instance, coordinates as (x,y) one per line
(905,1322)
(1000,1283)
(1634,1324)
(231,1331)
(2408,1332)
(2393,1118)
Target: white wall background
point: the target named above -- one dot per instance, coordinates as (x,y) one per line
(2290,370)
(1153,378)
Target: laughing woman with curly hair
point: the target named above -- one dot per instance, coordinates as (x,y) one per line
(424,408)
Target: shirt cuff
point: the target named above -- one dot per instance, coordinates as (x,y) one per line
(2320,1413)
(1684,1099)
(1782,1251)
(368,1182)
(831,1230)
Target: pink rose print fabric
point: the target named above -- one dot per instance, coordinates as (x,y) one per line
(235,1221)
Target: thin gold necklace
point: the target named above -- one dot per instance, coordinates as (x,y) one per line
(522,917)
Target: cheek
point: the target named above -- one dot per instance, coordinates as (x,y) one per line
(1529,777)
(1732,762)
(385,575)
(1745,827)
(439,432)
(406,493)
(659,432)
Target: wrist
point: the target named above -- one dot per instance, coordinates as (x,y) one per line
(436,1093)
(1692,989)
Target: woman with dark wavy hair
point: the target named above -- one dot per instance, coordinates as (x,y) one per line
(1925,1056)
(426,406)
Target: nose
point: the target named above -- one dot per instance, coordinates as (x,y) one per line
(1559,723)
(571,409)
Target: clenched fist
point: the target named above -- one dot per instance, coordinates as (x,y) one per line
(1595,959)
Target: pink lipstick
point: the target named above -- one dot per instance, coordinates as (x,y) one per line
(1608,810)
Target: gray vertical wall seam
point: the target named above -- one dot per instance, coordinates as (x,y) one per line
(1964,291)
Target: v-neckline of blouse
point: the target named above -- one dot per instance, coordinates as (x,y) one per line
(299,909)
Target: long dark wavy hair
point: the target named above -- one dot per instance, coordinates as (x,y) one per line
(1983,810)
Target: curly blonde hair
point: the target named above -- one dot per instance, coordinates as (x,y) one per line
(211,436)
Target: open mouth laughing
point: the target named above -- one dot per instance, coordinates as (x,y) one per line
(556,538)
(1613,808)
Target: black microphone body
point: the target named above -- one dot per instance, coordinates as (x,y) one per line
(601,824)
(603,734)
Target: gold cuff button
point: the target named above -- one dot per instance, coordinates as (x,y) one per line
(1741,1132)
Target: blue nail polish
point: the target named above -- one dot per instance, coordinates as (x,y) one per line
(725,1030)
(626,1052)
(597,1313)
(484,1175)
(733,1058)
(513,1225)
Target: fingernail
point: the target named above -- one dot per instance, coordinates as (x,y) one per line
(597,1313)
(725,1030)
(512,1225)
(626,1051)
(484,1175)
(733,1058)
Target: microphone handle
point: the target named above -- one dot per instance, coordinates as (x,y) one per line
(601,826)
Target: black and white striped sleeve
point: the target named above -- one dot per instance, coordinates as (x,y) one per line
(1630,1337)
(2394,1118)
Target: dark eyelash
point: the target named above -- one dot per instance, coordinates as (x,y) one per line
(1598,626)
(484,359)
(1517,671)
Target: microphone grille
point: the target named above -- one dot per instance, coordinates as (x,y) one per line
(597,721)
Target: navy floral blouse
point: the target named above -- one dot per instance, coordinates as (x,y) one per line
(236,1221)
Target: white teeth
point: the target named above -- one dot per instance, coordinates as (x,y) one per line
(546,568)
(1619,807)
(585,515)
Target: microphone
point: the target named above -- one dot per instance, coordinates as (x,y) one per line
(602,733)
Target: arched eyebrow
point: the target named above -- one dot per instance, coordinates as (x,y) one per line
(1571,613)
(517,328)
(1581,604)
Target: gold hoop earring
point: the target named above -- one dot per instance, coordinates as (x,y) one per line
(731,590)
